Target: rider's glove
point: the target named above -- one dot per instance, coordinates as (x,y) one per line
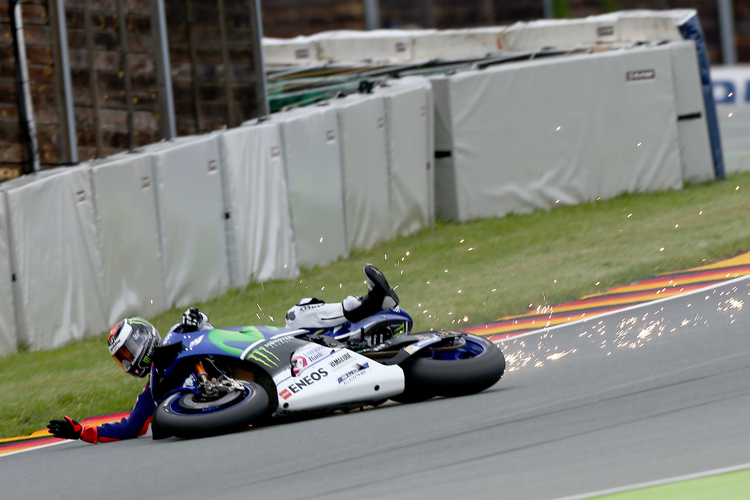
(65,429)
(193,320)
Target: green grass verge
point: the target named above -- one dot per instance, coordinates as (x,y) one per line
(449,276)
(727,486)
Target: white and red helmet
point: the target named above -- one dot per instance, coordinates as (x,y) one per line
(131,342)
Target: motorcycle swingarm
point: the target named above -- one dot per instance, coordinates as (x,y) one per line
(412,344)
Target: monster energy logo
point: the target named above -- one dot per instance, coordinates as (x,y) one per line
(264,356)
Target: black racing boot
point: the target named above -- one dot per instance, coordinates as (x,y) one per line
(379,298)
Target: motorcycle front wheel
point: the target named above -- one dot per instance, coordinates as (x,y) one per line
(184,415)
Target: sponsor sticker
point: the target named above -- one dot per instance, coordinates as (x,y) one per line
(411,349)
(303,382)
(301,54)
(353,375)
(264,356)
(639,75)
(308,355)
(605,31)
(195,342)
(340,359)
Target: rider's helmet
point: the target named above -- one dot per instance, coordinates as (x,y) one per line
(131,342)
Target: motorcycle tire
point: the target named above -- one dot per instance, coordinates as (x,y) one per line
(470,369)
(180,415)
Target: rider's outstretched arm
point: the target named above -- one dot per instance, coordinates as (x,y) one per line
(134,425)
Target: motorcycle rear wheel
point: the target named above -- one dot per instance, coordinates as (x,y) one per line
(182,415)
(457,372)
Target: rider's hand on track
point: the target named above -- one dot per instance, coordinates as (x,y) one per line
(65,429)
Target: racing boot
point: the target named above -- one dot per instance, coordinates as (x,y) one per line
(380,297)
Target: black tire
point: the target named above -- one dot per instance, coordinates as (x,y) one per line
(471,369)
(178,415)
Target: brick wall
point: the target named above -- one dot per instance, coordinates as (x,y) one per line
(114,71)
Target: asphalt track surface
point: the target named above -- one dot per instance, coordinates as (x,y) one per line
(658,391)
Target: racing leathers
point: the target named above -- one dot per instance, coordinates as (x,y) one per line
(137,423)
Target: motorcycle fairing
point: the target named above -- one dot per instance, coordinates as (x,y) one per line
(336,376)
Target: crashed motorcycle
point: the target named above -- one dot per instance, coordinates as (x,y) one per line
(220,380)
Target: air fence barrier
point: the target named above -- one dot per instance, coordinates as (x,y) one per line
(190,211)
(364,160)
(256,204)
(515,146)
(731,90)
(8,335)
(312,153)
(55,259)
(126,216)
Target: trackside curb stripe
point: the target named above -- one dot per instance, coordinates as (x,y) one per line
(624,309)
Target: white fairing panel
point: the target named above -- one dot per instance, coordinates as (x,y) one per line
(329,377)
(312,152)
(365,166)
(518,147)
(409,127)
(129,236)
(190,208)
(55,257)
(8,335)
(259,227)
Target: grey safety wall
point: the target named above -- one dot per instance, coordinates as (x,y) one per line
(312,154)
(517,146)
(259,228)
(408,104)
(129,236)
(55,257)
(365,166)
(190,208)
(695,146)
(8,335)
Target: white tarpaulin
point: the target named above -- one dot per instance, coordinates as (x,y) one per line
(55,257)
(695,146)
(129,236)
(408,103)
(190,209)
(374,46)
(731,85)
(313,163)
(563,130)
(365,165)
(8,335)
(259,227)
(299,50)
(457,44)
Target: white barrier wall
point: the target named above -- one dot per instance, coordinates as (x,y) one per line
(530,135)
(731,86)
(408,104)
(8,335)
(457,44)
(365,166)
(259,227)
(312,153)
(190,208)
(55,257)
(124,191)
(695,146)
